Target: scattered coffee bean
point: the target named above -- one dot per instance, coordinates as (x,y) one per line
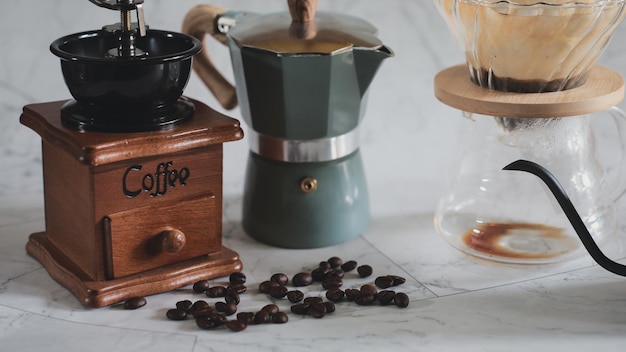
(206,324)
(295,296)
(237,278)
(237,288)
(349,266)
(317,310)
(271,309)
(248,317)
(330,307)
(278,291)
(262,317)
(201,286)
(325,265)
(218,318)
(397,280)
(368,289)
(364,299)
(384,281)
(385,297)
(332,283)
(203,312)
(300,308)
(311,300)
(280,318)
(335,262)
(216,291)
(232,296)
(265,286)
(364,270)
(352,294)
(184,305)
(302,279)
(319,274)
(401,300)
(236,325)
(228,308)
(134,303)
(335,295)
(198,305)
(176,314)
(336,273)
(280,278)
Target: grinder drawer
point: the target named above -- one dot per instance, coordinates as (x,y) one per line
(149,237)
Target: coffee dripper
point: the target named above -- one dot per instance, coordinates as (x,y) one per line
(302,79)
(529,90)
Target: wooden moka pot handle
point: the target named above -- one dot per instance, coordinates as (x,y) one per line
(198,22)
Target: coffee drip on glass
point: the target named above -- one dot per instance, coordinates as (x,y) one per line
(530,94)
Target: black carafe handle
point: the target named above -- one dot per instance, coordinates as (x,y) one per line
(571,213)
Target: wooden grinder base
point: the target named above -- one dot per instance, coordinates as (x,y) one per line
(132,214)
(602,89)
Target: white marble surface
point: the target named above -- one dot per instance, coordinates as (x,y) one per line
(409,140)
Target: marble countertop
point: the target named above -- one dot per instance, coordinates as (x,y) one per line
(408,145)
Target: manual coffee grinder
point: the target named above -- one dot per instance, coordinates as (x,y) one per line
(301,80)
(132,169)
(530,90)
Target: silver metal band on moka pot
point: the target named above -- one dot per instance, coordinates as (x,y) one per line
(304,150)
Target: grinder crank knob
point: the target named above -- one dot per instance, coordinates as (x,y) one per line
(172,240)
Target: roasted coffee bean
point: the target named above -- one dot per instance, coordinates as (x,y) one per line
(205,324)
(300,308)
(278,291)
(232,296)
(317,310)
(265,286)
(201,286)
(311,300)
(218,318)
(349,266)
(216,291)
(368,289)
(271,309)
(200,304)
(336,273)
(302,279)
(280,318)
(335,295)
(262,317)
(384,281)
(236,325)
(176,314)
(203,312)
(397,280)
(237,278)
(295,296)
(335,262)
(364,299)
(248,317)
(401,300)
(280,278)
(134,303)
(319,274)
(228,308)
(237,288)
(184,305)
(332,283)
(385,297)
(330,307)
(325,265)
(351,294)
(364,270)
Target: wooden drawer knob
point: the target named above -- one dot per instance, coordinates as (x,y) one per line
(172,240)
